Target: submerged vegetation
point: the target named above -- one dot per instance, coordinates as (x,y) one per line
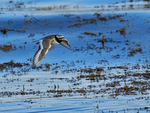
(4,30)
(134,51)
(102,80)
(7,47)
(89,33)
(122,31)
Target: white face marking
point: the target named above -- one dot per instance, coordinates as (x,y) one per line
(59,36)
(57,39)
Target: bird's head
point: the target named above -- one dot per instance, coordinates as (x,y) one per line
(62,41)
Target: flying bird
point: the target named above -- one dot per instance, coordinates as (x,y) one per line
(45,44)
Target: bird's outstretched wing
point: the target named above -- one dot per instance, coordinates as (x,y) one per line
(66,44)
(41,52)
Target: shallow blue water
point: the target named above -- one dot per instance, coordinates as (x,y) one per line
(72,105)
(58,24)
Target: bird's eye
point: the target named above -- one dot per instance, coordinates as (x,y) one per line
(61,38)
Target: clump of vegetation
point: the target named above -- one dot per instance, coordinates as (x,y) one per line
(134,51)
(26,21)
(4,30)
(103,18)
(118,67)
(97,15)
(7,48)
(93,20)
(99,69)
(76,24)
(21,31)
(89,33)
(83,22)
(10,64)
(102,40)
(123,31)
(139,82)
(122,20)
